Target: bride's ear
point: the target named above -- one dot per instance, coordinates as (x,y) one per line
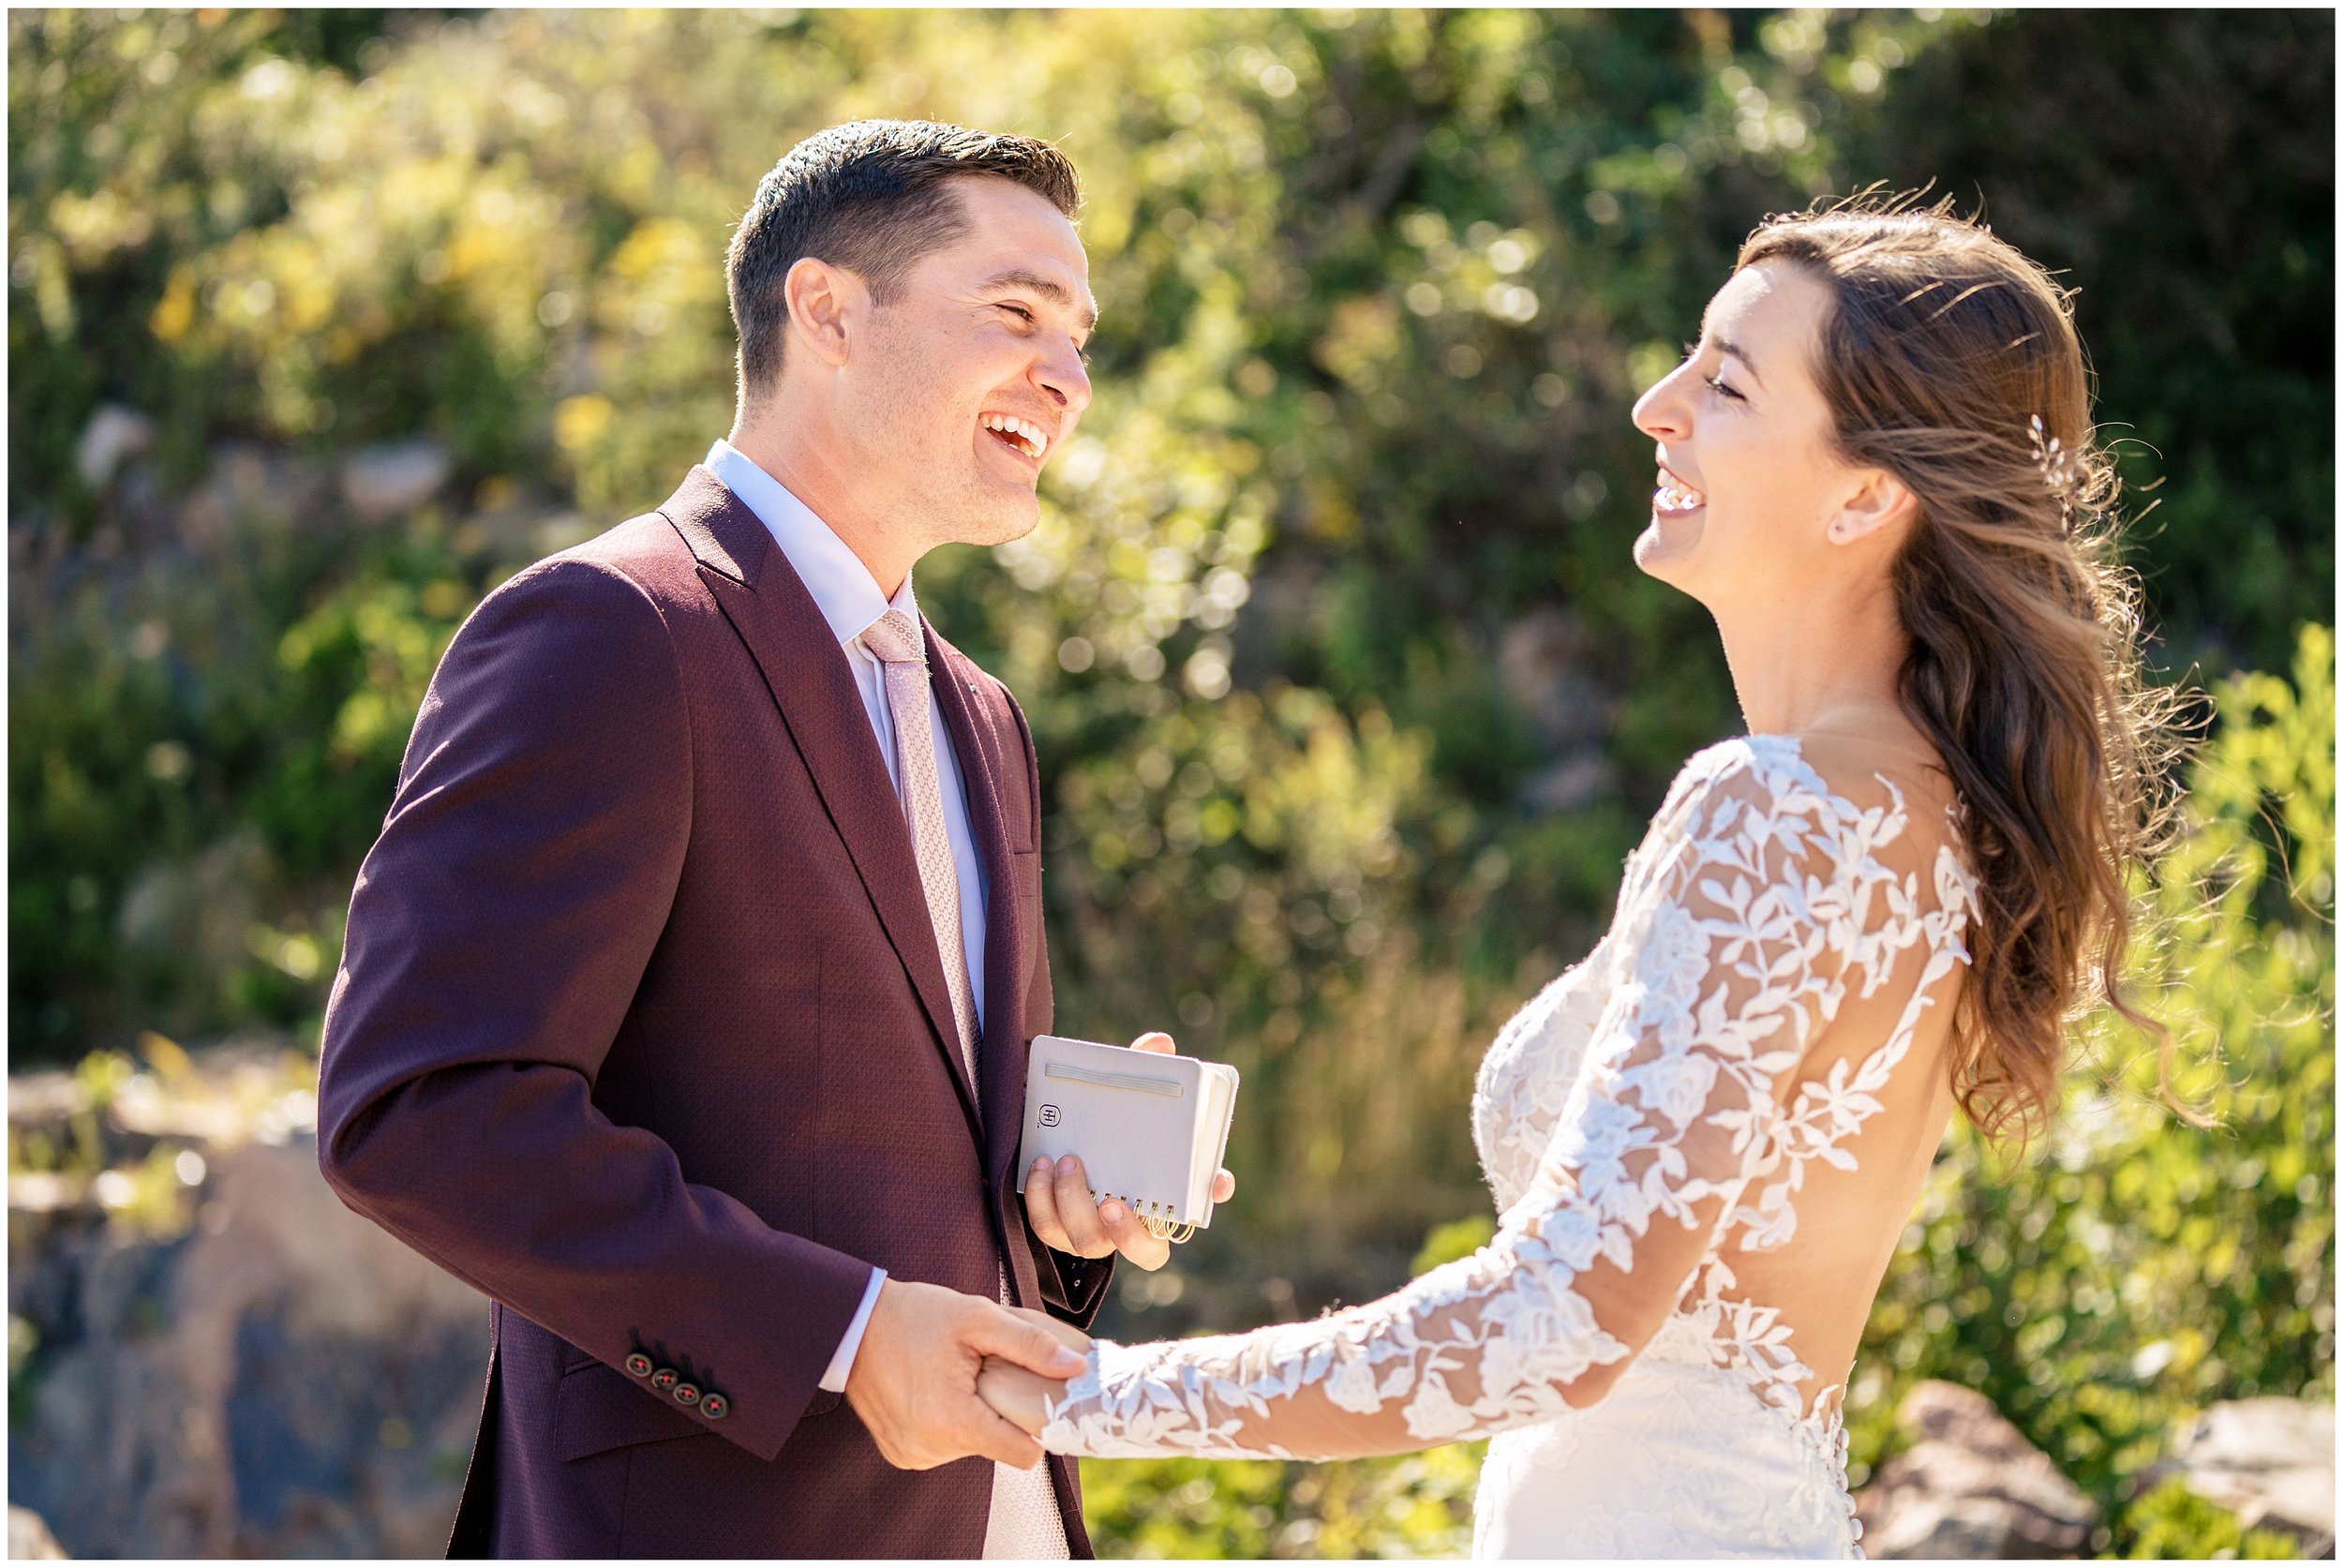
(825,306)
(1879,502)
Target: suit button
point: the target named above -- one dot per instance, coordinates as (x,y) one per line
(686,1395)
(715,1406)
(639,1365)
(665,1378)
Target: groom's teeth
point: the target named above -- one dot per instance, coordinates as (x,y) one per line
(1028,436)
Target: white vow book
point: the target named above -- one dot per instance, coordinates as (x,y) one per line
(1150,1130)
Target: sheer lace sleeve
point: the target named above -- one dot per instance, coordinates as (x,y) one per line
(1744,912)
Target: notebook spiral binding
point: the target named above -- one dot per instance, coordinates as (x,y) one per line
(1157,1225)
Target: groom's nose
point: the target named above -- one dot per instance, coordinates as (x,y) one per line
(1062,378)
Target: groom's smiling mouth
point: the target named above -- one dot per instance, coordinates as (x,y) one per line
(1021,436)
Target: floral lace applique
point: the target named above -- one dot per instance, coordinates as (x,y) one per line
(1636,1122)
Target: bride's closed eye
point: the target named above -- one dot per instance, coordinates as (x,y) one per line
(1714,383)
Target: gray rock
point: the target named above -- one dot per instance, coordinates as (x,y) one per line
(2270,1461)
(1542,661)
(1971,1487)
(286,1381)
(252,492)
(1570,784)
(112,436)
(199,910)
(381,481)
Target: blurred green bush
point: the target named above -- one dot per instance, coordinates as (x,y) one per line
(2103,1290)
(1349,698)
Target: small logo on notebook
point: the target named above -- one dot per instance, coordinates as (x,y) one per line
(1049,1115)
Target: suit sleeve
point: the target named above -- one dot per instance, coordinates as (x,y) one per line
(1073,1289)
(498,931)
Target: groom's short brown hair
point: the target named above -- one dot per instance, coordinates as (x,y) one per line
(873,197)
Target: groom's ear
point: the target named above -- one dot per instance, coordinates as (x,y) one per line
(825,303)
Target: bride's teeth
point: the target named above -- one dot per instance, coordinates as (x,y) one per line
(1671,496)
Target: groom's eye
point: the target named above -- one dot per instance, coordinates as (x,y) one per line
(1017,311)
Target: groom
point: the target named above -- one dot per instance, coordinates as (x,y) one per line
(686,995)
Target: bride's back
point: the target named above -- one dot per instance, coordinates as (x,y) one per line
(1756,1056)
(1850,1215)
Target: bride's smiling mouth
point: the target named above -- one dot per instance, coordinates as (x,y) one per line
(1672,497)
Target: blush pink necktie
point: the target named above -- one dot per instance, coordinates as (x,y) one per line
(894,640)
(1024,1522)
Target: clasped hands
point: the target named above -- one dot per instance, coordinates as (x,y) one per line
(941,1376)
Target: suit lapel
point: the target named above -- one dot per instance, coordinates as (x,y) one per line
(1002,1059)
(975,737)
(807,673)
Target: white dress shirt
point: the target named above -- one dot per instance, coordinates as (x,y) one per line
(849,599)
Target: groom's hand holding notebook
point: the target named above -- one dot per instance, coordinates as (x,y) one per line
(1150,1129)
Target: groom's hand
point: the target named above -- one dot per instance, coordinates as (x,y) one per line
(914,1382)
(1059,1207)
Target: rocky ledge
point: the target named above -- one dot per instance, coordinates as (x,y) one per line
(210,1356)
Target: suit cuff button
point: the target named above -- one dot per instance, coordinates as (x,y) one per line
(639,1365)
(686,1394)
(665,1379)
(715,1406)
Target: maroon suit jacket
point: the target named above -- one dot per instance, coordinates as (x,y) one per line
(641,1029)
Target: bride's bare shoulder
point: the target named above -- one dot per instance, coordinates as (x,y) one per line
(1859,765)
(1851,755)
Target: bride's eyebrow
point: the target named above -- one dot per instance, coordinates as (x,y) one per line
(1726,346)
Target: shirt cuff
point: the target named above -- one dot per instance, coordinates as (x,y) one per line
(841,1362)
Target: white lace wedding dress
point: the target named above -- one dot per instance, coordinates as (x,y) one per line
(1676,1134)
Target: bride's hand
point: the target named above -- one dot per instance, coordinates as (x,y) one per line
(1067,1333)
(1016,1395)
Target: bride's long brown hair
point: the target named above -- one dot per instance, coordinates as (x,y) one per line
(1950,360)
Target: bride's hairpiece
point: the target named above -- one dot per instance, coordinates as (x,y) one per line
(2061,473)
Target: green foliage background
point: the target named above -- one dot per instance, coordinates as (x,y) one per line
(1350,699)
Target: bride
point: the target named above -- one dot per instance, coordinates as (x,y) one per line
(1876,471)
